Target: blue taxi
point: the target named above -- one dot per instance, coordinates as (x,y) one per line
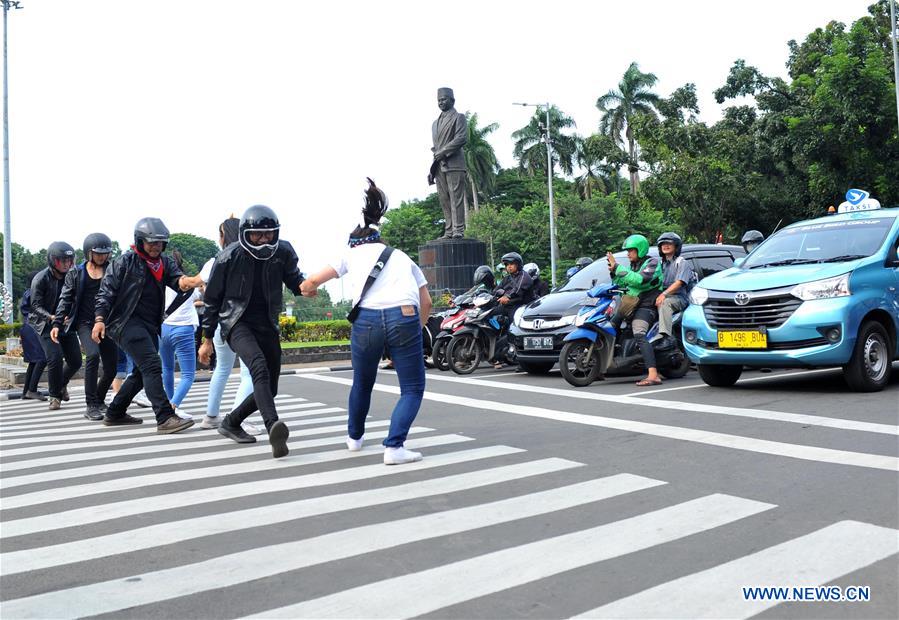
(817,293)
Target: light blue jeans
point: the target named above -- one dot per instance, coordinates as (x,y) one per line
(178,340)
(224,362)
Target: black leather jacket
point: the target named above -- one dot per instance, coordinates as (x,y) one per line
(43,299)
(123,285)
(231,284)
(518,288)
(70,298)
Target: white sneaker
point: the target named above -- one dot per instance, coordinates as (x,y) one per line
(398,456)
(250,429)
(181,413)
(210,422)
(354,445)
(141,400)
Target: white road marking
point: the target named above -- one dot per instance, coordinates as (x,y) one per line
(750,379)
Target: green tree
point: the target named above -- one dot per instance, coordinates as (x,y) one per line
(195,251)
(620,108)
(599,158)
(530,145)
(480,159)
(413,224)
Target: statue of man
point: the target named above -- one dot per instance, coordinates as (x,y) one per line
(450,133)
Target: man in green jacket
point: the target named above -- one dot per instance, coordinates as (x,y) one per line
(642,279)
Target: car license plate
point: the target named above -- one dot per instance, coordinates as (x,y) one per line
(543,343)
(742,340)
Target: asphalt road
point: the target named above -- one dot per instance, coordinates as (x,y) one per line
(534,499)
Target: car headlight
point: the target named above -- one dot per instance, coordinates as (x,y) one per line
(517,316)
(581,319)
(567,320)
(823,289)
(699,295)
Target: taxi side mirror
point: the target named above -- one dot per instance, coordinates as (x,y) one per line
(893,256)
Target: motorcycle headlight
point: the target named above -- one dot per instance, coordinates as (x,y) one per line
(823,289)
(699,295)
(516,318)
(472,313)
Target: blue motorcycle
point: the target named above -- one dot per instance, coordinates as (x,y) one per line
(595,347)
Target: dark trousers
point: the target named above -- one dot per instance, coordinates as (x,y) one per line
(257,347)
(141,342)
(33,376)
(95,389)
(63,360)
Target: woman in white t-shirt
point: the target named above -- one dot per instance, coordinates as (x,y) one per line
(392,313)
(178,340)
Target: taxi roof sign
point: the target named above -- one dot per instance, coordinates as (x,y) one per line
(858,200)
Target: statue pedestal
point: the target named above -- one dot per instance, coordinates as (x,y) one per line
(449,264)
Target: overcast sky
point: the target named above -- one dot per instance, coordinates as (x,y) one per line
(190,110)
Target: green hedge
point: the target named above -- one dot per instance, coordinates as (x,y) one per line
(9,329)
(313,331)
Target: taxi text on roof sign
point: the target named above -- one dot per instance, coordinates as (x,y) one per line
(858,200)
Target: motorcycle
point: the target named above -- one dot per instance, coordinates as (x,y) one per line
(450,321)
(595,347)
(483,335)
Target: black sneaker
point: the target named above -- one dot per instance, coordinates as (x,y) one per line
(94,413)
(234,432)
(277,436)
(120,420)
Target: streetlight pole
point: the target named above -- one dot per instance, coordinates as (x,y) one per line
(7,240)
(894,34)
(549,183)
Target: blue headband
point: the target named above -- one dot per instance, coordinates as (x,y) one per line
(354,241)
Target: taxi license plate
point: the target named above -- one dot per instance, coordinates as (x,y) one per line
(544,343)
(742,340)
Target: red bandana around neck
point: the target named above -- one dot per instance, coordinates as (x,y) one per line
(155,264)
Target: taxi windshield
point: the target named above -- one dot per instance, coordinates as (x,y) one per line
(825,242)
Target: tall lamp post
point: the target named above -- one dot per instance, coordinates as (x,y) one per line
(549,183)
(7,241)
(894,34)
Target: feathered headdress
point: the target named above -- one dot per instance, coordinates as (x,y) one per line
(375,206)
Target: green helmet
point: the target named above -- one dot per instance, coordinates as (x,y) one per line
(637,242)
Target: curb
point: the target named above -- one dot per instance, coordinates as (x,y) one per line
(17,394)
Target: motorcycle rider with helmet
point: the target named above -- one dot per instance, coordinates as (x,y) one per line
(64,356)
(243,296)
(579,264)
(642,278)
(483,277)
(677,275)
(517,285)
(129,310)
(540,286)
(751,239)
(75,314)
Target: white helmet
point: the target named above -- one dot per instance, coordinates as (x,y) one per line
(532,270)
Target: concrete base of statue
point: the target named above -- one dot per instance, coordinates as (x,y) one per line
(449,264)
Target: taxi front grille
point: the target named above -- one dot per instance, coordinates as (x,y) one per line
(768,312)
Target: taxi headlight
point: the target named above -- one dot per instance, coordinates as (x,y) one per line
(699,295)
(823,289)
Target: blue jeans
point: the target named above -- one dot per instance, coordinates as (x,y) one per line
(177,340)
(224,362)
(372,330)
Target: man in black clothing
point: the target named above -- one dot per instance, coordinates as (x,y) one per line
(243,294)
(517,285)
(129,310)
(45,292)
(75,314)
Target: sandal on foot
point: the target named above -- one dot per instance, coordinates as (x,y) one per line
(648,382)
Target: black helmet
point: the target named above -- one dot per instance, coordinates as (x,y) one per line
(512,257)
(751,238)
(484,275)
(97,243)
(259,218)
(672,238)
(582,262)
(150,229)
(59,250)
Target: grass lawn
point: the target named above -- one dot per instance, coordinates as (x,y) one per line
(306,345)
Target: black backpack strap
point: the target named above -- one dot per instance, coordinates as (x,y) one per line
(179,300)
(372,276)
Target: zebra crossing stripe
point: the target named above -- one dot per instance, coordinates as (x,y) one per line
(172,532)
(461,581)
(53,430)
(125,508)
(139,438)
(711,438)
(134,454)
(811,560)
(147,482)
(235,568)
(194,394)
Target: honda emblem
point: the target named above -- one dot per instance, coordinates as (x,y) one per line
(538,323)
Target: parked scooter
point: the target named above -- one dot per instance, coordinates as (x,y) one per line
(482,336)
(595,347)
(451,320)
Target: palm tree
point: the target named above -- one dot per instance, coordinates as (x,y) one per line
(530,148)
(599,158)
(619,107)
(480,158)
